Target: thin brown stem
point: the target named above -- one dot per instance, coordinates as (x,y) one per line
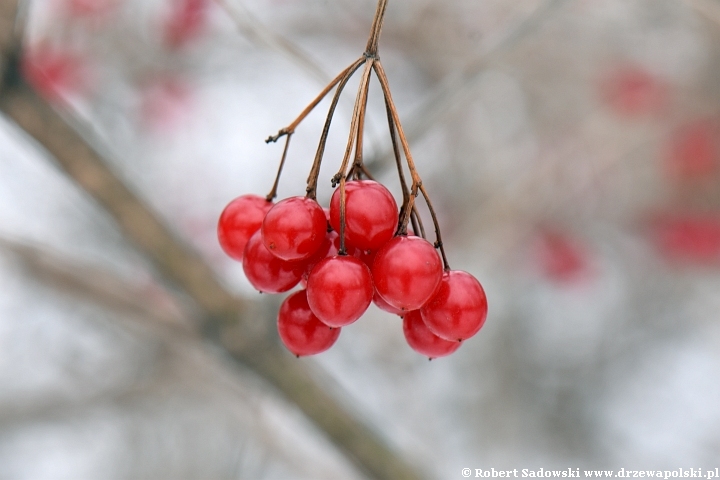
(380,72)
(417,181)
(341,250)
(273,193)
(354,122)
(358,163)
(396,152)
(438,242)
(291,128)
(366,172)
(315,171)
(415,217)
(372,45)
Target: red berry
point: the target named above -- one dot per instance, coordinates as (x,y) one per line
(239,221)
(299,328)
(458,309)
(265,271)
(422,340)
(339,289)
(371,214)
(406,272)
(383,305)
(329,248)
(294,228)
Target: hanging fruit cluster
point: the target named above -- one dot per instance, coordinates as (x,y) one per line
(358,251)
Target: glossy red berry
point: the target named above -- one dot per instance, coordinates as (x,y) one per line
(384,306)
(406,272)
(239,221)
(265,271)
(422,340)
(329,248)
(294,228)
(339,290)
(371,214)
(300,330)
(458,308)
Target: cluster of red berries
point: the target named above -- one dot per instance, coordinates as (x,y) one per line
(296,241)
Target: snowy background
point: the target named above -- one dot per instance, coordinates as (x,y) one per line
(571,148)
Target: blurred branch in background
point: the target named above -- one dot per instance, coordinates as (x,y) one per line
(457,87)
(257,32)
(249,342)
(707,8)
(99,286)
(572,152)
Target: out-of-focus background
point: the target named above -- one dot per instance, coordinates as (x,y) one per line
(571,148)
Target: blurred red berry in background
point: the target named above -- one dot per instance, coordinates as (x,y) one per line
(89,8)
(631,91)
(693,151)
(185,22)
(688,238)
(163,101)
(561,258)
(54,72)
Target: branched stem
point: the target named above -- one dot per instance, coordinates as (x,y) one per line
(273,193)
(357,167)
(371,60)
(290,129)
(372,45)
(357,118)
(438,242)
(315,171)
(415,217)
(409,206)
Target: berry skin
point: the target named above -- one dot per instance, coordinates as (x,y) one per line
(299,328)
(406,272)
(458,308)
(294,228)
(265,271)
(371,214)
(239,221)
(339,290)
(384,306)
(422,340)
(329,248)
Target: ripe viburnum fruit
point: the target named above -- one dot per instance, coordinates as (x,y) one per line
(329,248)
(239,221)
(384,306)
(371,214)
(359,250)
(294,228)
(339,289)
(265,271)
(422,340)
(458,308)
(299,328)
(406,272)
